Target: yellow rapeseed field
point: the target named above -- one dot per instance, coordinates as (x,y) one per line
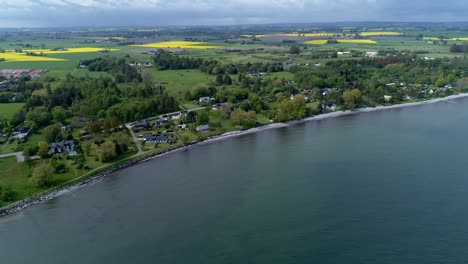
(316,42)
(451,39)
(178,45)
(380,33)
(22,56)
(14,56)
(322,34)
(69,50)
(357,41)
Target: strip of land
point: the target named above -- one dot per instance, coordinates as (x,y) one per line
(137,159)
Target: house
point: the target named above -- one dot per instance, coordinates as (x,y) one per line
(66,129)
(387,98)
(205,99)
(289,64)
(219,105)
(176,117)
(21,132)
(327,91)
(257,74)
(330,106)
(203,128)
(183,126)
(158,124)
(144,64)
(64,146)
(372,54)
(143,125)
(150,138)
(5,85)
(86,137)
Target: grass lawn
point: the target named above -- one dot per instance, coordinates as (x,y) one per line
(180,81)
(15,176)
(7,111)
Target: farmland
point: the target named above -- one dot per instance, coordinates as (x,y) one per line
(178,45)
(380,33)
(341,41)
(98,80)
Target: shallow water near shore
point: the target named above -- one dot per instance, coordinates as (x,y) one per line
(380,187)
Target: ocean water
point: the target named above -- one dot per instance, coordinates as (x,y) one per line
(381,187)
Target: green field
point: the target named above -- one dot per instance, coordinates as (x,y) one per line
(7,111)
(15,176)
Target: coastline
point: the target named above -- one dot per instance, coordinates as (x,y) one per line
(59,191)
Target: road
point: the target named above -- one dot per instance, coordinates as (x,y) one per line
(19,156)
(135,139)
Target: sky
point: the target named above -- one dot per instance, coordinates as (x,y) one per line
(69,13)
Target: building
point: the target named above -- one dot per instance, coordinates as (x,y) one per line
(143,125)
(144,64)
(203,128)
(205,99)
(372,54)
(220,105)
(66,129)
(21,132)
(5,85)
(61,147)
(183,126)
(150,138)
(331,106)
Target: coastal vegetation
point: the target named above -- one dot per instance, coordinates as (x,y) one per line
(106,100)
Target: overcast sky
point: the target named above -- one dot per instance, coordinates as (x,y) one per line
(63,13)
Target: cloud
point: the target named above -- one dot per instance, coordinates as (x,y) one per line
(189,12)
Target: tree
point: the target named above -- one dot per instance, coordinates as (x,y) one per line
(219,79)
(43,149)
(243,118)
(107,151)
(147,77)
(41,174)
(52,133)
(352,98)
(292,109)
(227,80)
(294,49)
(59,114)
(191,117)
(87,148)
(203,118)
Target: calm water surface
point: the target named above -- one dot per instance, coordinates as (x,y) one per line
(383,187)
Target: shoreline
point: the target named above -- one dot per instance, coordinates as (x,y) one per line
(59,191)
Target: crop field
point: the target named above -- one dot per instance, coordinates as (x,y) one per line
(103,38)
(341,41)
(70,50)
(15,56)
(357,41)
(448,39)
(380,33)
(323,34)
(11,56)
(316,42)
(178,45)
